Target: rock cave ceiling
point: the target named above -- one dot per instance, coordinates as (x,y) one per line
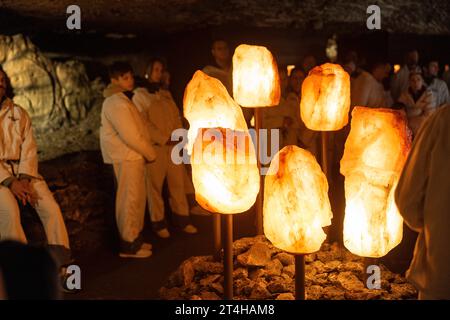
(172,16)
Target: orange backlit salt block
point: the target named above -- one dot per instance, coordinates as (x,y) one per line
(325,101)
(374,155)
(296,204)
(256,82)
(224,170)
(207,104)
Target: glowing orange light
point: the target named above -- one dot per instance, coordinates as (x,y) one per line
(296,204)
(375,152)
(325,99)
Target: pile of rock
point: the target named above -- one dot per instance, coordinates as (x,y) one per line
(262,272)
(84,189)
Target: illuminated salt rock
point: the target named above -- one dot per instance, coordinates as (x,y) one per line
(325,99)
(296,204)
(224,170)
(207,104)
(255,77)
(375,152)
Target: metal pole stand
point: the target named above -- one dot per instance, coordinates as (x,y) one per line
(300,293)
(324,136)
(228,257)
(217,234)
(259,198)
(324,154)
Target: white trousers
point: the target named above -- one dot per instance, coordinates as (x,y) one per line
(158,171)
(130,198)
(47,209)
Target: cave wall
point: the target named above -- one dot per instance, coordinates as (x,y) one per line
(59,79)
(52,92)
(58,95)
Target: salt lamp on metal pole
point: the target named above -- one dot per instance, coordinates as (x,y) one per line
(226,181)
(374,155)
(296,207)
(325,102)
(256,84)
(207,104)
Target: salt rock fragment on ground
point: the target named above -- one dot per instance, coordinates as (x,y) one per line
(339,278)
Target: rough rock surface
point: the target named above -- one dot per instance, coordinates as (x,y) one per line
(84,188)
(175,15)
(263,272)
(63,103)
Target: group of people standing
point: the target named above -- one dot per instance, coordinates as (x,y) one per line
(137,120)
(416,89)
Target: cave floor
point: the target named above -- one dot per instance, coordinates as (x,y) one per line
(107,276)
(84,188)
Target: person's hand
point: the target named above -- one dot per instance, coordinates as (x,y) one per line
(20,190)
(32,196)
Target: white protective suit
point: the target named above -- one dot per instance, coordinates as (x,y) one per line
(418,111)
(18,159)
(440,91)
(126,146)
(162,117)
(446,78)
(368,92)
(400,82)
(422,196)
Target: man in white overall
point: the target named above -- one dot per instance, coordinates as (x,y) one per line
(126,146)
(222,70)
(20,180)
(422,197)
(162,117)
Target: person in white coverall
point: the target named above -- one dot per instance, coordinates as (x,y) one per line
(163,117)
(368,89)
(422,197)
(195,208)
(418,101)
(436,85)
(21,182)
(125,145)
(400,80)
(222,70)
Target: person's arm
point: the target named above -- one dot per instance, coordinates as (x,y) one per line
(176,115)
(156,134)
(429,104)
(360,96)
(412,109)
(445,95)
(143,100)
(125,124)
(411,189)
(28,165)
